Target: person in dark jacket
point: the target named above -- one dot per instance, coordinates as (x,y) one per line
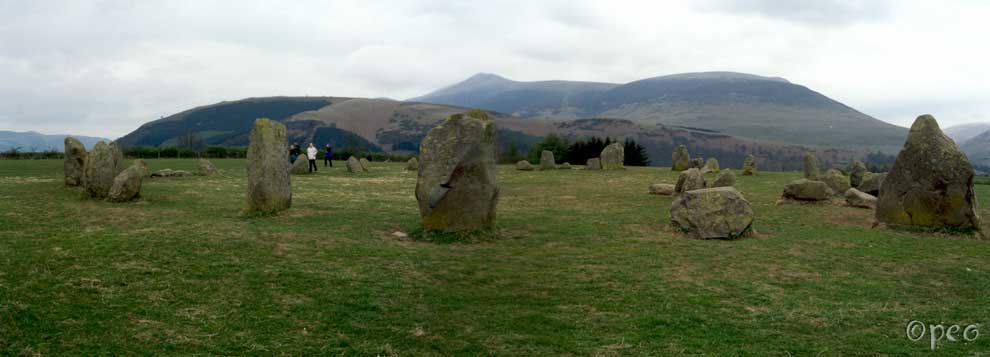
(293,153)
(328,156)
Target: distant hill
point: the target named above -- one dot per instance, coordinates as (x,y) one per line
(744,105)
(963,132)
(977,149)
(32,141)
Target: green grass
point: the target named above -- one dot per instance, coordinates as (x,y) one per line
(581,263)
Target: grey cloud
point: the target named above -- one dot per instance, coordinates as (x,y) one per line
(819,12)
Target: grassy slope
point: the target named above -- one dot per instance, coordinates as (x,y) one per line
(585,264)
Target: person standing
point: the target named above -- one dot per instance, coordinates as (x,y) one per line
(328,156)
(293,153)
(311,155)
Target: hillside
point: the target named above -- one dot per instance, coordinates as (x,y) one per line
(32,141)
(963,132)
(743,105)
(977,149)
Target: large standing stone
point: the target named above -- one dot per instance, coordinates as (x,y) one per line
(593,164)
(697,163)
(143,167)
(711,166)
(457,188)
(206,168)
(690,179)
(101,166)
(547,161)
(75,159)
(664,189)
(712,213)
(856,173)
(835,180)
(857,198)
(412,164)
(749,166)
(807,190)
(127,185)
(354,165)
(365,164)
(725,179)
(301,166)
(930,184)
(680,159)
(811,170)
(613,157)
(269,187)
(524,165)
(872,182)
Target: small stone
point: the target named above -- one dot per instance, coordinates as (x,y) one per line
(547,161)
(857,198)
(664,189)
(523,165)
(690,179)
(680,159)
(749,166)
(412,164)
(835,180)
(205,168)
(613,157)
(811,171)
(725,179)
(712,213)
(593,164)
(807,190)
(126,186)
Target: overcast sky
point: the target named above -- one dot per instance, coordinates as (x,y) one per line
(103,68)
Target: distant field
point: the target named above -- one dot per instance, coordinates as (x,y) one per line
(584,263)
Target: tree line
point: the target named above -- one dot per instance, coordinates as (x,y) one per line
(575,152)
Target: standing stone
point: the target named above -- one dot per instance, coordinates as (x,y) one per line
(725,179)
(749,166)
(593,164)
(354,165)
(457,188)
(690,179)
(269,188)
(835,180)
(365,164)
(412,164)
(856,173)
(807,190)
(872,182)
(613,157)
(75,159)
(697,163)
(523,165)
(712,213)
(930,184)
(857,198)
(664,189)
(301,166)
(101,167)
(127,185)
(143,167)
(118,158)
(547,161)
(711,166)
(206,168)
(811,171)
(680,159)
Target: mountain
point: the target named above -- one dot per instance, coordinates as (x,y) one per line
(744,105)
(32,141)
(977,149)
(963,132)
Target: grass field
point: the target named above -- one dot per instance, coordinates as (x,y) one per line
(582,263)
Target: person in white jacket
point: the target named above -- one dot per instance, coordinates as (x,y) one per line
(311,155)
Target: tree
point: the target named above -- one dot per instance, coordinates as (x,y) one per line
(635,154)
(553,143)
(511,155)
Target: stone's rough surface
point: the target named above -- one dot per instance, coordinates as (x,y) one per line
(547,161)
(142,167)
(206,168)
(353,165)
(101,167)
(75,159)
(811,170)
(269,188)
(171,173)
(365,164)
(835,180)
(930,184)
(118,158)
(412,164)
(593,164)
(127,185)
(725,179)
(301,166)
(807,190)
(712,213)
(711,166)
(680,159)
(871,183)
(664,189)
(690,179)
(564,166)
(749,166)
(613,157)
(457,188)
(857,198)
(697,163)
(524,165)
(856,173)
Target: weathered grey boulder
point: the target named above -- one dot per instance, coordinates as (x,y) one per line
(710,166)
(206,168)
(613,157)
(690,179)
(593,164)
(564,166)
(127,185)
(856,173)
(171,173)
(664,189)
(547,161)
(726,178)
(301,166)
(523,165)
(697,163)
(835,180)
(857,198)
(142,167)
(75,159)
(811,170)
(749,166)
(930,184)
(807,190)
(101,166)
(680,159)
(457,188)
(354,165)
(872,182)
(712,213)
(365,164)
(412,164)
(269,188)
